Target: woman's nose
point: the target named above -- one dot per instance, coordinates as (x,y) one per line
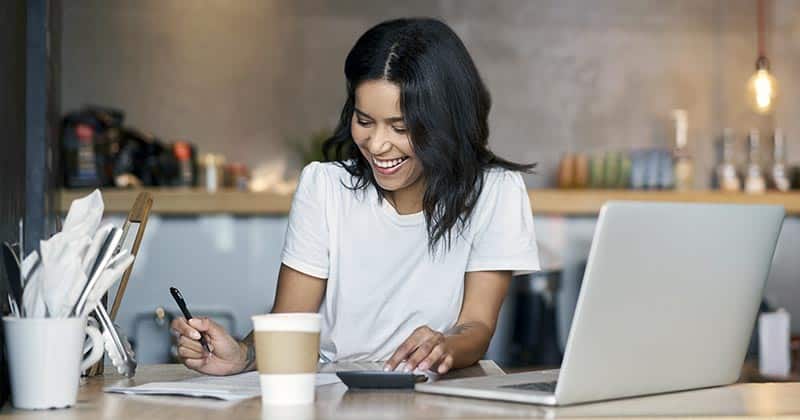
(378,144)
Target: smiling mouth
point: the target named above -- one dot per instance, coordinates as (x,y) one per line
(388,164)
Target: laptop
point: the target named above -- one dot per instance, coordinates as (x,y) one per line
(668,302)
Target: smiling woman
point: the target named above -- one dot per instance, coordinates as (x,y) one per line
(377,128)
(434,109)
(406,241)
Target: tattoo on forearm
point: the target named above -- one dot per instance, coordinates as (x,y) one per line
(250,358)
(458,329)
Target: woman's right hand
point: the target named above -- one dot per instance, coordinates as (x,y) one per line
(227,356)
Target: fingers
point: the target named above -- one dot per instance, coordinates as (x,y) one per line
(189,347)
(445,365)
(187,353)
(433,358)
(207,326)
(405,349)
(190,344)
(181,327)
(431,348)
(195,364)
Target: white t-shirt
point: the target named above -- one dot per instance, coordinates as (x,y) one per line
(382,281)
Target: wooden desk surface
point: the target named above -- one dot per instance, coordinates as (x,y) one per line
(334,401)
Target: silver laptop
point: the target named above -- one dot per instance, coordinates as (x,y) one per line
(668,302)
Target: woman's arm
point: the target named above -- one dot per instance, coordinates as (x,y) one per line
(467,341)
(297,292)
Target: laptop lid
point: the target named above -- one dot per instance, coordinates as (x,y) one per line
(669,298)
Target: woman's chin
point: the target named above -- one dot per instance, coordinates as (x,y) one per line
(389,186)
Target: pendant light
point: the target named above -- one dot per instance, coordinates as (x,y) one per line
(762,87)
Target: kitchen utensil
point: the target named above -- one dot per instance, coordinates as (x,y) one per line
(103,257)
(116,267)
(117,345)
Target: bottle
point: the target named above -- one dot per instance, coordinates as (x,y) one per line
(581,178)
(754,182)
(727,177)
(186,170)
(213,172)
(683,167)
(566,169)
(778,174)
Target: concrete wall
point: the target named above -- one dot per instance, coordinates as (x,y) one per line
(241,78)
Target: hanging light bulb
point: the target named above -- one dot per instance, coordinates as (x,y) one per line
(762,88)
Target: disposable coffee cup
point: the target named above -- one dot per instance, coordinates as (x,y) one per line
(46,357)
(287,354)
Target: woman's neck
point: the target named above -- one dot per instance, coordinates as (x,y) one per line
(409,199)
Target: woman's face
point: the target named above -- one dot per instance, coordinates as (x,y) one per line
(379,132)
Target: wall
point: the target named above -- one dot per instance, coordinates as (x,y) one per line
(243,77)
(12,119)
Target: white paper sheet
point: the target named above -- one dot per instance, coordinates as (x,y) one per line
(229,388)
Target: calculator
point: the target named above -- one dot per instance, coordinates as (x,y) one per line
(376,379)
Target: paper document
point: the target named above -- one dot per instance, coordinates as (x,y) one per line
(229,388)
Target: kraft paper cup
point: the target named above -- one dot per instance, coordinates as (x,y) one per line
(287,354)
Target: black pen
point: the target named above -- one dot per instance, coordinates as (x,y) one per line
(176,294)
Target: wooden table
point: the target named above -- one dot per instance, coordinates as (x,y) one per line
(335,401)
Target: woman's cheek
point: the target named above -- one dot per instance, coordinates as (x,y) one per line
(357,133)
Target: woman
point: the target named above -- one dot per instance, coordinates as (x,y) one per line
(405,242)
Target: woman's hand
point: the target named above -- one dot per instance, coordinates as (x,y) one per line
(424,349)
(227,355)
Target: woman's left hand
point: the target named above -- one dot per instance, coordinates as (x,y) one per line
(424,349)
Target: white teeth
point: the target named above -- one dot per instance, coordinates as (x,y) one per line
(387,164)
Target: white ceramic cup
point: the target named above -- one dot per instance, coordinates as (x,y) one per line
(287,354)
(46,358)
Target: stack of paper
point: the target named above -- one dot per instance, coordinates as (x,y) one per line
(229,388)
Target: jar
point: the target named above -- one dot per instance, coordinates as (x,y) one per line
(212,173)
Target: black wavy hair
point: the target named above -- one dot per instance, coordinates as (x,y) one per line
(445,108)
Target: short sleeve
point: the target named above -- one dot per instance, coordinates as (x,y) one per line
(504,237)
(306,245)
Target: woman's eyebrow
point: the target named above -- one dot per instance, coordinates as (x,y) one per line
(363,114)
(389,120)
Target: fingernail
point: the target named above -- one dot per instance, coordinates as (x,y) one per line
(386,368)
(195,335)
(406,369)
(422,366)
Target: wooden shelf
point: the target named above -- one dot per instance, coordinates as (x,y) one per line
(189,201)
(589,202)
(184,201)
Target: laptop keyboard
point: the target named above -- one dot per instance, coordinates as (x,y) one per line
(534,386)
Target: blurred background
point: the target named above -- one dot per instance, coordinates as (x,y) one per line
(214,106)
